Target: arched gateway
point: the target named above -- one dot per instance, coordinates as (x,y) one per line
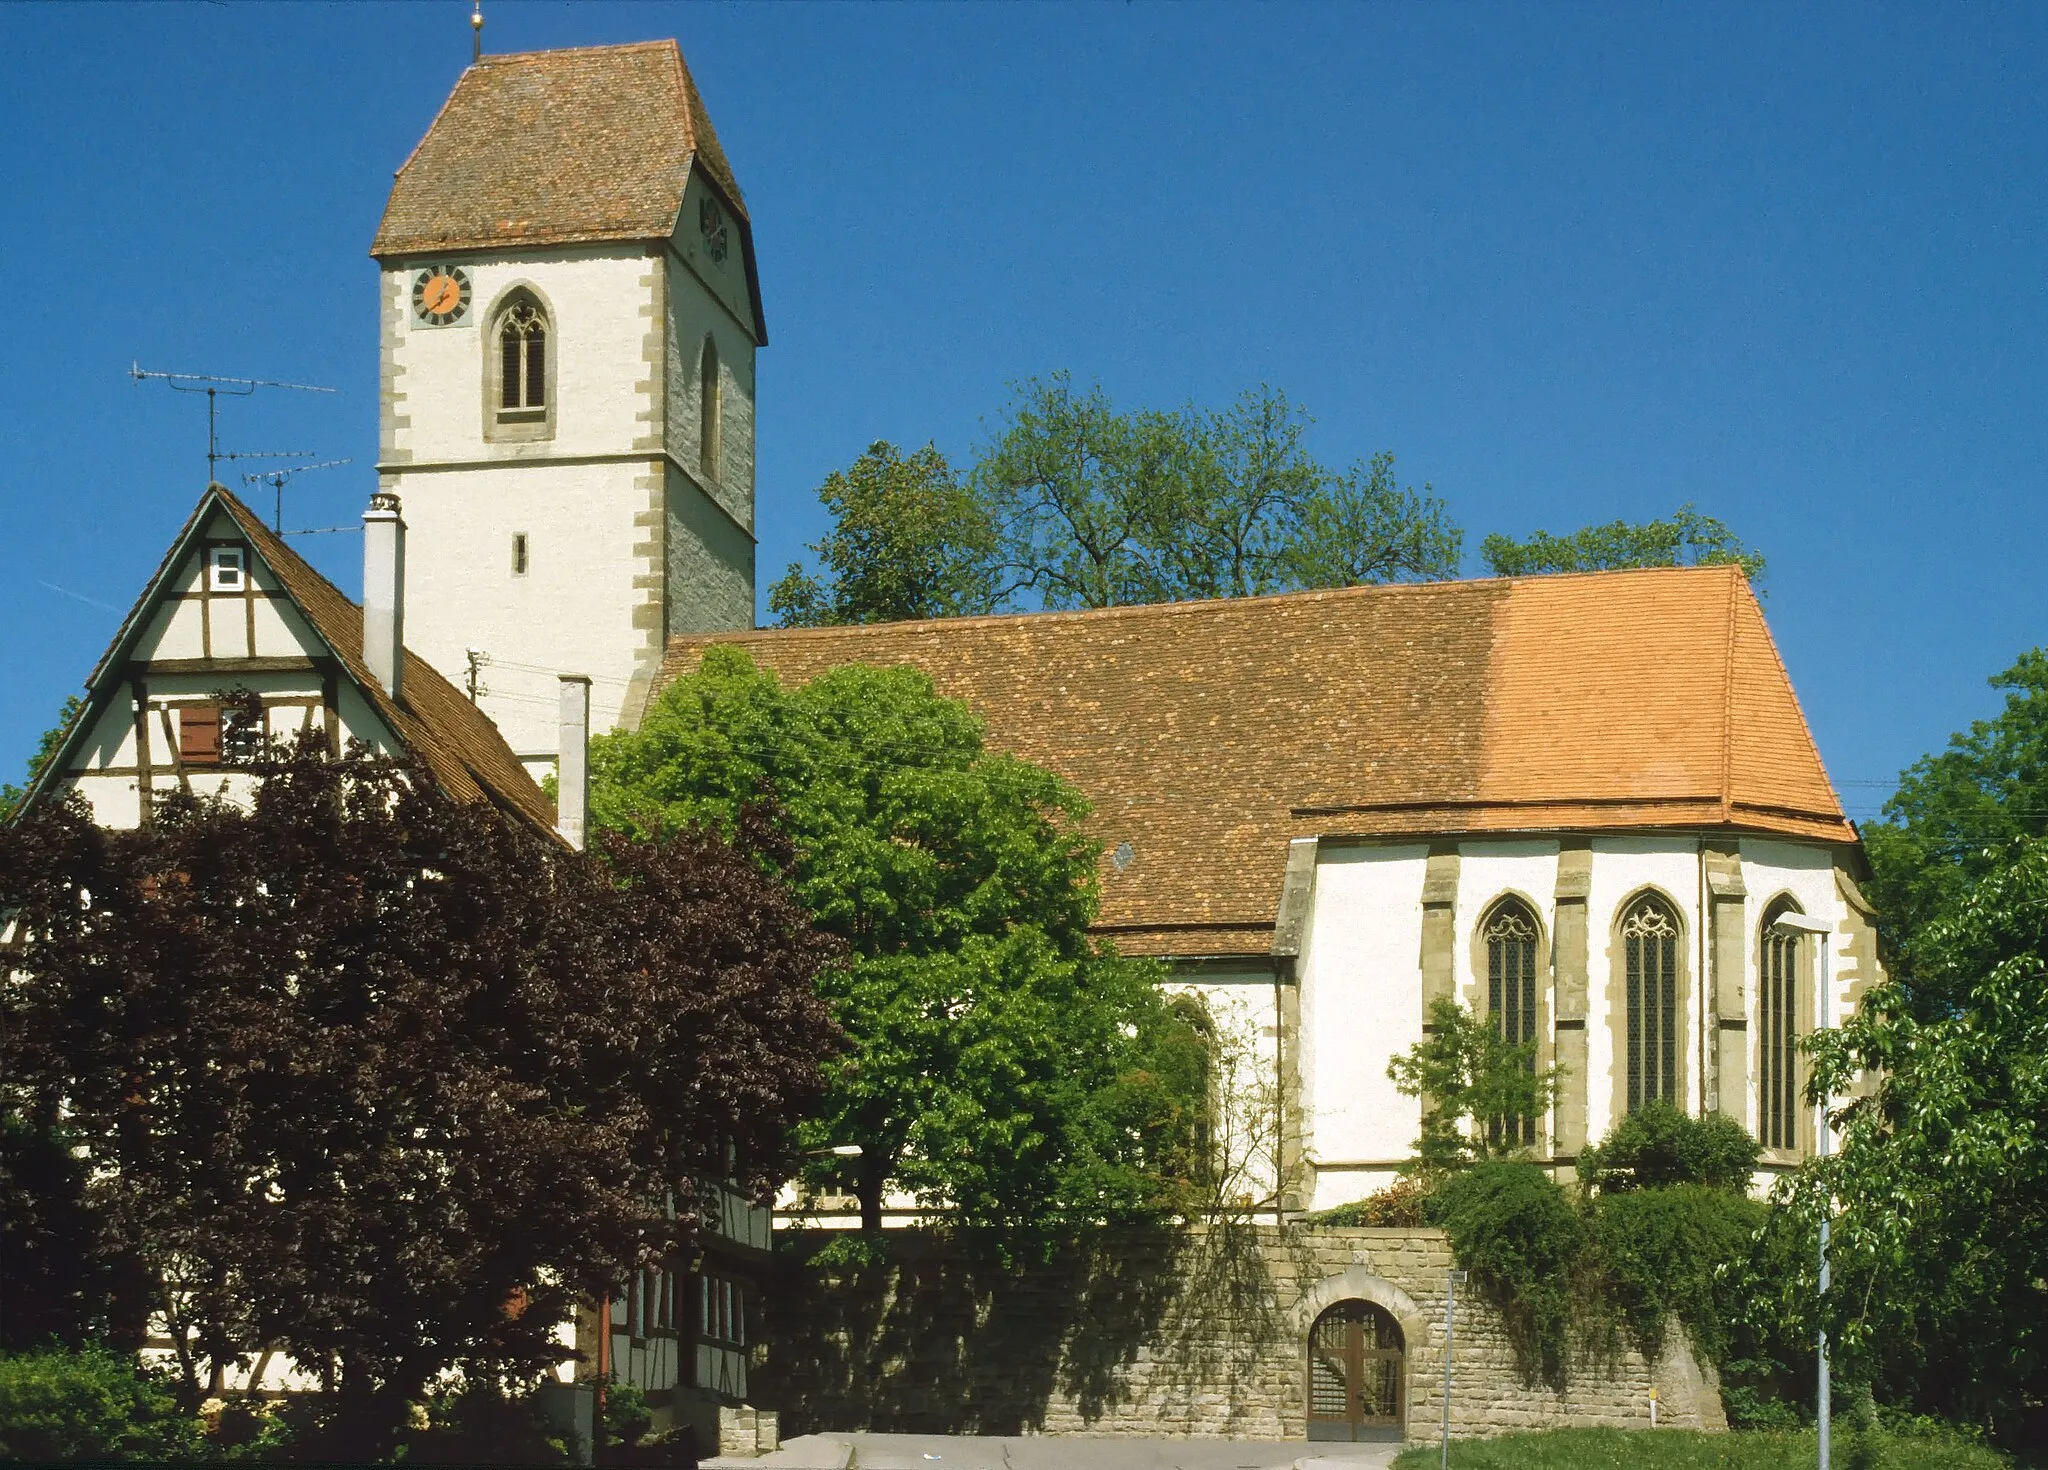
(1357,1374)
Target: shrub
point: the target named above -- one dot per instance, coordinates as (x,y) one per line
(1522,1240)
(481,1424)
(252,1430)
(1659,1145)
(88,1404)
(1665,1251)
(1404,1203)
(626,1415)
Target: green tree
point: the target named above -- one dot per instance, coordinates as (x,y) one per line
(1687,539)
(1074,503)
(1096,507)
(10,796)
(1363,528)
(1476,1087)
(1002,1064)
(1078,491)
(908,540)
(1941,1183)
(1956,813)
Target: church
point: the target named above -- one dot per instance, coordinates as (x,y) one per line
(1579,805)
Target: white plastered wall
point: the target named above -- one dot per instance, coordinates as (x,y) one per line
(598,300)
(1622,868)
(185,625)
(626,540)
(1243,1006)
(571,610)
(1361,987)
(709,298)
(580,497)
(1361,1005)
(1805,874)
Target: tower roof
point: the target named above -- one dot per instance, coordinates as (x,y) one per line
(556,148)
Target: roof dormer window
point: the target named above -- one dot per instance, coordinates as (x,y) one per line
(226,571)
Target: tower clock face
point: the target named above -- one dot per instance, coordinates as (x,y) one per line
(440,295)
(711,223)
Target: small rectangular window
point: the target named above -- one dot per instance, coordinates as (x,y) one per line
(722,1311)
(224,569)
(199,735)
(519,554)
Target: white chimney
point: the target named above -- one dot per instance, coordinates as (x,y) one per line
(572,760)
(384,592)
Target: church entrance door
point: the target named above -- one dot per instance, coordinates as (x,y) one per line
(1357,1374)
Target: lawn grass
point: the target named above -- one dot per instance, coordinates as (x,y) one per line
(1683,1449)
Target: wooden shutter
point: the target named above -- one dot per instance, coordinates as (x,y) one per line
(199,734)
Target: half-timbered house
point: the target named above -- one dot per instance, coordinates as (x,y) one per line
(234,638)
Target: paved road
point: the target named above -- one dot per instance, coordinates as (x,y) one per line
(1059,1452)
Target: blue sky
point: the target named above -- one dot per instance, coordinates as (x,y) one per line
(1567,262)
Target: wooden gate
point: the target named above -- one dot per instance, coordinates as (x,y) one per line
(1357,1374)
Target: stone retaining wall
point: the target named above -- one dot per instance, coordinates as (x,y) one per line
(1204,1333)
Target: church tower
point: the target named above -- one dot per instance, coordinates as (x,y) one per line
(569,314)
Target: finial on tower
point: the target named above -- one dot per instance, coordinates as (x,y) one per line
(476,33)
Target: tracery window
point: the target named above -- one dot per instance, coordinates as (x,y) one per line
(1193,1061)
(1649,933)
(1778,1005)
(1510,935)
(522,362)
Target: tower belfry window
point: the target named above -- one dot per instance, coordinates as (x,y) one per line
(522,362)
(707,410)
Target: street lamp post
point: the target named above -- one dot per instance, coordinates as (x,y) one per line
(1450,1322)
(1801,924)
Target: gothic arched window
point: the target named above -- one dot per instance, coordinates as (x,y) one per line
(707,410)
(1649,934)
(1778,1010)
(1189,1060)
(522,361)
(1510,935)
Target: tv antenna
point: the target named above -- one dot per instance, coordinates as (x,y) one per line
(214,388)
(276,479)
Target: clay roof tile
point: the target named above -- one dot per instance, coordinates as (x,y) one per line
(1207,734)
(557,147)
